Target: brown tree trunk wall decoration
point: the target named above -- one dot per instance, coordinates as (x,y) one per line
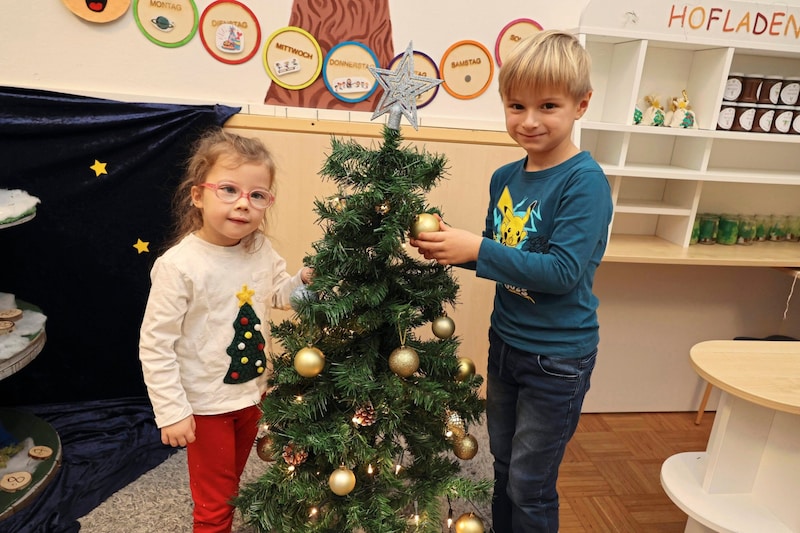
(332,22)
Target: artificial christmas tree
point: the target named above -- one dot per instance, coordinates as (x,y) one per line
(367,432)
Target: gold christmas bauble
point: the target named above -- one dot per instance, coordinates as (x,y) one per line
(342,481)
(465,447)
(469,523)
(309,362)
(404,361)
(443,327)
(466,368)
(422,223)
(264,448)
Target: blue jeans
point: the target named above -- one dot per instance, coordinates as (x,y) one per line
(533,403)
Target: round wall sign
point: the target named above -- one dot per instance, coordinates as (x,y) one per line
(423,66)
(98,10)
(346,74)
(467,69)
(292,58)
(514,32)
(230,31)
(171,24)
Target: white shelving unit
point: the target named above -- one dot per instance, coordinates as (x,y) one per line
(663,177)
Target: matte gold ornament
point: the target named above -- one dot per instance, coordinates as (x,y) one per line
(443,327)
(422,223)
(465,447)
(309,362)
(404,361)
(342,481)
(264,448)
(469,523)
(466,369)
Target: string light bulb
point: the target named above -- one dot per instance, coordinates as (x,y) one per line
(370,469)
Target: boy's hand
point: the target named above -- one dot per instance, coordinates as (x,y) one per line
(448,246)
(180,433)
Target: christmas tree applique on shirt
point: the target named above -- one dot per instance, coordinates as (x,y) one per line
(246,350)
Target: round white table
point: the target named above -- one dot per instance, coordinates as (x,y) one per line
(748,479)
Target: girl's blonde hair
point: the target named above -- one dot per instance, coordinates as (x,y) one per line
(551,59)
(206,152)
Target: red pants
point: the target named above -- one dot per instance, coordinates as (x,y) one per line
(216,460)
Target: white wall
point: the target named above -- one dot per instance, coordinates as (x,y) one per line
(44,45)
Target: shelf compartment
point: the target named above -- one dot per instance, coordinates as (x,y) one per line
(616,72)
(668,71)
(754,154)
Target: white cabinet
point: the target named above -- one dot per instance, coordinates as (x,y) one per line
(663,177)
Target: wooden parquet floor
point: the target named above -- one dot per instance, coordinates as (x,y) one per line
(609,481)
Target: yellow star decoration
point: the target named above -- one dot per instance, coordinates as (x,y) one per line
(142,245)
(99,168)
(245,296)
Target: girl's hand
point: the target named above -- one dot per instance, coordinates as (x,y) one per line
(180,433)
(306,275)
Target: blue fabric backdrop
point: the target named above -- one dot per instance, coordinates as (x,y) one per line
(105,172)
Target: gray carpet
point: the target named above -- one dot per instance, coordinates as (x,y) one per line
(159,501)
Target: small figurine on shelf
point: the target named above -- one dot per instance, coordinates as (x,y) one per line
(654,114)
(637,115)
(681,115)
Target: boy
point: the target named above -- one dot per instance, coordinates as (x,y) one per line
(546,231)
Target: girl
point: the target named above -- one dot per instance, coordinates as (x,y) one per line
(202,341)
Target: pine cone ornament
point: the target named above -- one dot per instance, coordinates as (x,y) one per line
(294,457)
(364,416)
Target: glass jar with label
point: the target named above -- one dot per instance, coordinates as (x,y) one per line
(770,90)
(707,233)
(782,121)
(790,90)
(733,87)
(743,119)
(750,86)
(747,229)
(762,227)
(762,121)
(727,112)
(777,228)
(795,128)
(728,229)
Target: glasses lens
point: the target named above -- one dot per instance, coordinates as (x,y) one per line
(228,193)
(260,199)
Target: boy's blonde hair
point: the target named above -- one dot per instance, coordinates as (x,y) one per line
(207,151)
(551,59)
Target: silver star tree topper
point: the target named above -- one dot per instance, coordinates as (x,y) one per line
(400,90)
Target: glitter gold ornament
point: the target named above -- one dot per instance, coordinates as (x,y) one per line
(342,481)
(469,523)
(465,447)
(309,362)
(264,448)
(422,223)
(443,327)
(466,368)
(383,208)
(404,361)
(454,425)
